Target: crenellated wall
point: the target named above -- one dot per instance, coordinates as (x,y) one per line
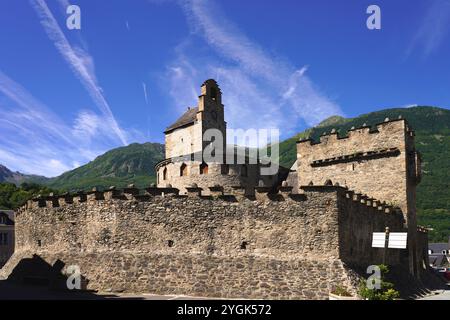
(375,161)
(379,161)
(282,245)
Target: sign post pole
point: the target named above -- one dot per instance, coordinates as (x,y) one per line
(388,239)
(386,245)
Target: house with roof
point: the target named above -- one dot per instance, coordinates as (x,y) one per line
(439,254)
(6,235)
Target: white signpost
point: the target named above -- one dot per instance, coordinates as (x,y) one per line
(397,240)
(379,240)
(393,240)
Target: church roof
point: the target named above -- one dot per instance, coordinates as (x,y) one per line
(187,118)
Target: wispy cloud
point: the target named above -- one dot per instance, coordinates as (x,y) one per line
(36,140)
(80,62)
(182,76)
(433,29)
(144,87)
(253,81)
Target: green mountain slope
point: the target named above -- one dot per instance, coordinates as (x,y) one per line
(432,127)
(17,178)
(119,167)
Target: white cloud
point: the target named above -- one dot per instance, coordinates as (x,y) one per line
(260,90)
(293,84)
(433,28)
(182,77)
(35,140)
(79,61)
(51,168)
(144,87)
(248,100)
(57,165)
(29,111)
(410,106)
(88,125)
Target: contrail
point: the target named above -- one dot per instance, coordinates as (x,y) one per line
(79,61)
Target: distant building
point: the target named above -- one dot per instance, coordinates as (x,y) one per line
(6,235)
(439,254)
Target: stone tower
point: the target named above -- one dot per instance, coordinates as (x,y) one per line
(185,136)
(189,160)
(211,109)
(379,162)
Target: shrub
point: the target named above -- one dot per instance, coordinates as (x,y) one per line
(385,292)
(341,291)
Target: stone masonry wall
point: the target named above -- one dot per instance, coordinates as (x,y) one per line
(273,246)
(369,162)
(381,162)
(217,174)
(360,217)
(184,141)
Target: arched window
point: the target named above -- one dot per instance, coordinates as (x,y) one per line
(203,168)
(213,93)
(165,174)
(224,169)
(244,172)
(183,170)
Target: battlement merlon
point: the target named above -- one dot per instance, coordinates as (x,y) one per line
(387,127)
(380,161)
(262,194)
(373,160)
(324,215)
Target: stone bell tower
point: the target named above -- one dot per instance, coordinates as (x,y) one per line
(211,110)
(185,136)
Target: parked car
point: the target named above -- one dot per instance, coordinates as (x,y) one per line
(445,272)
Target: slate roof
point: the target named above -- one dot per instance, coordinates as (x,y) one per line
(438,261)
(187,118)
(438,247)
(9,214)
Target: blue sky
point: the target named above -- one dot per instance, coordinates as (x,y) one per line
(67,96)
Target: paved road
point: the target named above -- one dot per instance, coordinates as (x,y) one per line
(439,295)
(12,291)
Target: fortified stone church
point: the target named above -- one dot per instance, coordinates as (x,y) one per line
(224,230)
(185,144)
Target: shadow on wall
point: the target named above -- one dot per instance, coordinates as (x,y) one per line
(34,278)
(36,271)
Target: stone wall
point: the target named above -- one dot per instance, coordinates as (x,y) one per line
(183,141)
(422,248)
(380,162)
(372,162)
(281,245)
(360,217)
(226,175)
